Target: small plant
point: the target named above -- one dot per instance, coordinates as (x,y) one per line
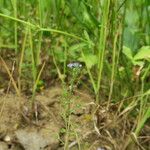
(68,100)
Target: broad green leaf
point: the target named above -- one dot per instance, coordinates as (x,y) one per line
(90,43)
(138,63)
(127,51)
(144,53)
(77,47)
(75,50)
(5,11)
(90,60)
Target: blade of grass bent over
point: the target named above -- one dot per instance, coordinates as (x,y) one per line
(12,79)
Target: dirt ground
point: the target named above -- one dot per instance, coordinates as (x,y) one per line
(42,127)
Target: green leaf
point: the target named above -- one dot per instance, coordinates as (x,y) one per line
(132,17)
(144,53)
(83,13)
(77,47)
(90,43)
(138,63)
(60,55)
(75,50)
(127,51)
(147,92)
(5,11)
(143,120)
(90,60)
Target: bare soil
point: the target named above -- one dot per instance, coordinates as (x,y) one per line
(41,127)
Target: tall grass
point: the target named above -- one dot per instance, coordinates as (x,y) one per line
(102,43)
(14,3)
(90,31)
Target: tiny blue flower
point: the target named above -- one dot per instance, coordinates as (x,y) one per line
(74,65)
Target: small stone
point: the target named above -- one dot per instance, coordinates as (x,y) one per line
(38,139)
(7,138)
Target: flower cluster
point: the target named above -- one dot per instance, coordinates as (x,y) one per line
(74,65)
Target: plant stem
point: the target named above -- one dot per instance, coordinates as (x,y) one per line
(102,45)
